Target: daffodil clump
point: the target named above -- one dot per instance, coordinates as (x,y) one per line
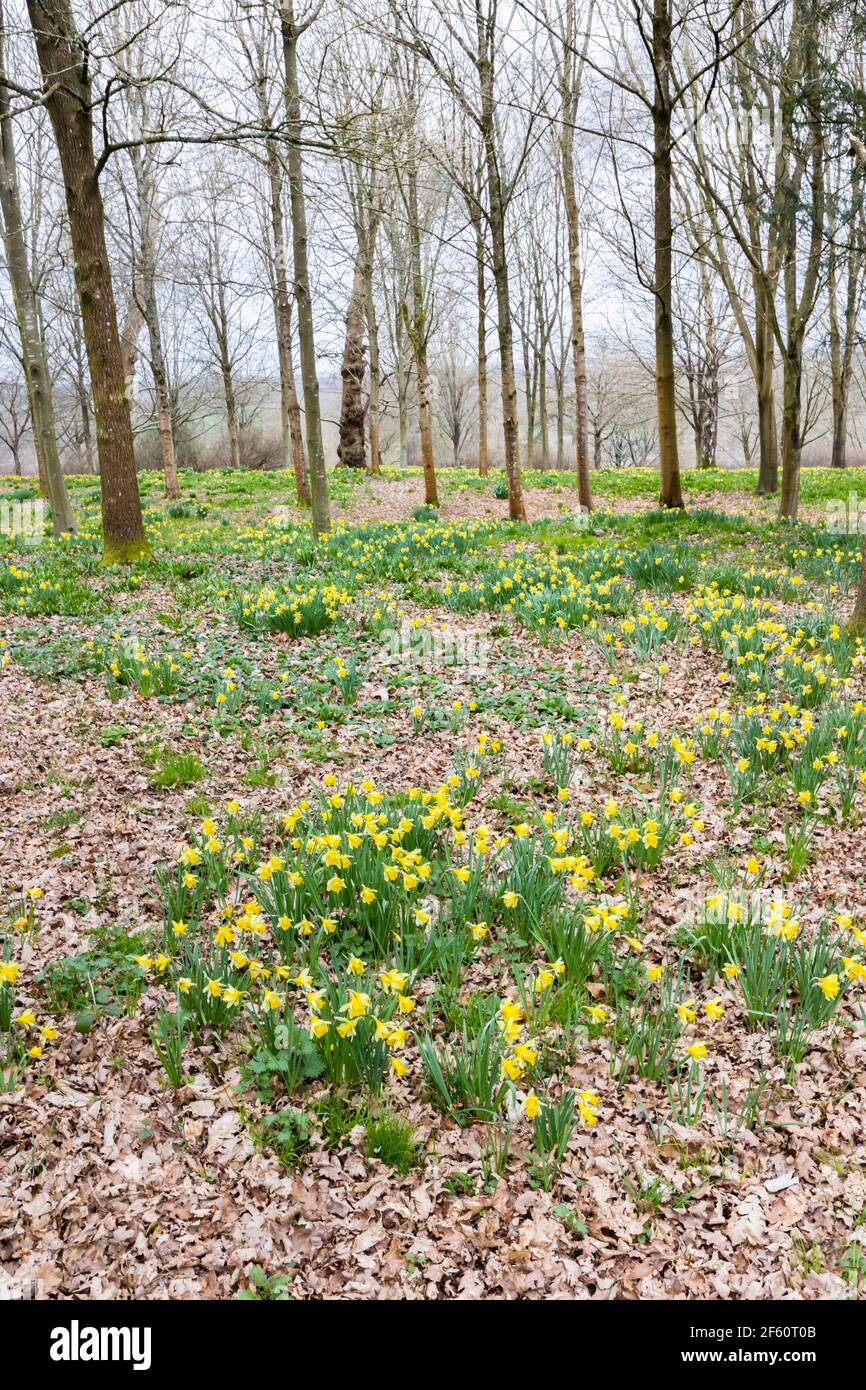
(644,632)
(25,920)
(807,662)
(548,594)
(127,665)
(625,837)
(314,946)
(301,612)
(24,1036)
(477,1076)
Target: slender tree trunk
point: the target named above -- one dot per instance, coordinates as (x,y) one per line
(130,333)
(166,439)
(296,434)
(669,464)
(837,455)
(417,331)
(231,412)
(496,214)
(575,294)
(301,275)
(149,310)
(481,300)
(510,426)
(84,408)
(161,392)
(843,336)
(374,406)
(37,376)
(768,444)
(805,75)
(708,379)
(841,391)
(530,374)
(542,410)
(402,375)
(68,99)
(791,441)
(560,418)
(217,310)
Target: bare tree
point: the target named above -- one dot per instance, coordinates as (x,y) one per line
(15,421)
(474,42)
(455,406)
(255,36)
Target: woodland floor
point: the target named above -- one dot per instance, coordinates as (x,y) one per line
(115,1184)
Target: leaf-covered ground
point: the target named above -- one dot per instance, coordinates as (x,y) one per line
(448,910)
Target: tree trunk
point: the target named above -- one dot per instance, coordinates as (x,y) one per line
(374,406)
(560,417)
(669,464)
(839,454)
(542,411)
(161,392)
(516,506)
(231,414)
(708,379)
(575,293)
(799,306)
(481,299)
(768,444)
(84,407)
(858,150)
(130,332)
(843,336)
(68,99)
(301,275)
(149,311)
(417,330)
(791,440)
(350,450)
(401,373)
(296,435)
(496,214)
(530,377)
